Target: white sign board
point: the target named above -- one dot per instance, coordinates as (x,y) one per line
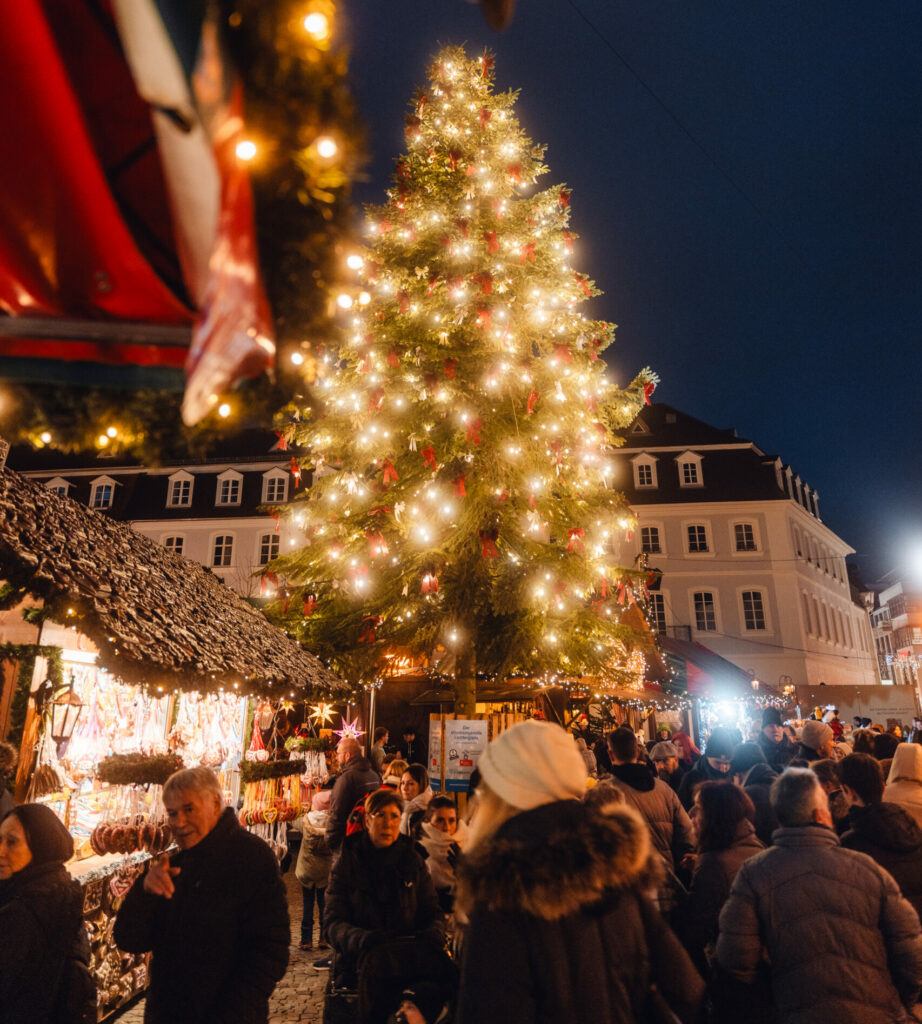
(465,742)
(435,755)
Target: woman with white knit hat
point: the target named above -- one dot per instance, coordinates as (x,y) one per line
(556,895)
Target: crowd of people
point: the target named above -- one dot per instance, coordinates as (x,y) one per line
(774,878)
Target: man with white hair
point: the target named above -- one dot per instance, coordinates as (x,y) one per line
(841,943)
(215,914)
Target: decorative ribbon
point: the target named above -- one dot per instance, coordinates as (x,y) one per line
(430,584)
(278,519)
(497,205)
(528,252)
(568,241)
(563,198)
(393,357)
(310,605)
(592,403)
(490,238)
(563,352)
(379,510)
(648,390)
(594,354)
(385,226)
(421,100)
(576,539)
(446,242)
(473,430)
(488,540)
(375,399)
(390,473)
(364,364)
(532,400)
(486,66)
(484,315)
(281,444)
(453,157)
(376,542)
(296,472)
(485,280)
(412,126)
(369,624)
(450,366)
(485,116)
(581,281)
(460,492)
(515,173)
(433,281)
(428,454)
(555,448)
(266,579)
(402,169)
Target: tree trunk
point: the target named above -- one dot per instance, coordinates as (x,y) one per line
(466,682)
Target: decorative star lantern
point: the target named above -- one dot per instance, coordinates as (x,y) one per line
(350,730)
(322,714)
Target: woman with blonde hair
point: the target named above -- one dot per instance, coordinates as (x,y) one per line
(554,890)
(904,782)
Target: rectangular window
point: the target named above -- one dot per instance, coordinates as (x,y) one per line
(60,489)
(275,489)
(656,613)
(753,610)
(174,544)
(649,540)
(745,537)
(229,492)
(689,473)
(268,548)
(180,493)
(644,475)
(697,538)
(808,621)
(102,496)
(223,551)
(705,616)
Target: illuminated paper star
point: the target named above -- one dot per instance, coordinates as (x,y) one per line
(322,713)
(349,730)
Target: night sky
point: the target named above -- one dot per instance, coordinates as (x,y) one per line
(747,185)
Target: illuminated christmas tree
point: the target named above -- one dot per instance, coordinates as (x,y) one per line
(461,505)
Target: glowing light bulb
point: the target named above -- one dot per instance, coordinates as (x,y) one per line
(326,147)
(111,431)
(224,410)
(317,25)
(46,437)
(102,440)
(355,262)
(344,301)
(245,150)
(297,358)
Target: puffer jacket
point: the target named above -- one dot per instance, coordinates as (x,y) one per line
(670,827)
(710,887)
(314,857)
(807,894)
(560,929)
(41,923)
(376,894)
(220,943)
(356,781)
(890,836)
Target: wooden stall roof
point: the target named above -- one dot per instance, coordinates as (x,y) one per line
(155,617)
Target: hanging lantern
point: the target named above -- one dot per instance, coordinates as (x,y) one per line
(65,710)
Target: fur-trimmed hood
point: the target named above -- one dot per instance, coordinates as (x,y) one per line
(558,859)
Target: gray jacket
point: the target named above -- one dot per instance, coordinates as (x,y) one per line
(842,943)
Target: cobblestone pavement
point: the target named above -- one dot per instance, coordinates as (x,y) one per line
(299,996)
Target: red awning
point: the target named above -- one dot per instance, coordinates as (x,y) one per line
(708,675)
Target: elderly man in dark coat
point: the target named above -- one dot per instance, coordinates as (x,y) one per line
(807,895)
(215,914)
(356,780)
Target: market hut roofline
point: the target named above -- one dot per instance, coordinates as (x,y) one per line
(156,618)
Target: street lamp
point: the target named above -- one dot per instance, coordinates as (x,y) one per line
(65,710)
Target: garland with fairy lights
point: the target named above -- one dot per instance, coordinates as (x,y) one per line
(461,499)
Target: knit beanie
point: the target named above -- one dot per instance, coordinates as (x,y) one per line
(770,716)
(720,743)
(815,735)
(746,756)
(48,839)
(534,763)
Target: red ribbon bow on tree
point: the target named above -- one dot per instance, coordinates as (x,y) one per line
(450,366)
(460,492)
(310,605)
(428,454)
(497,205)
(648,390)
(532,400)
(376,542)
(563,198)
(390,473)
(490,238)
(453,157)
(555,447)
(375,399)
(369,624)
(484,316)
(528,252)
(412,126)
(563,352)
(486,66)
(379,510)
(592,403)
(485,280)
(594,354)
(515,173)
(402,169)
(296,472)
(568,241)
(473,430)
(281,444)
(277,517)
(266,582)
(488,540)
(446,242)
(430,584)
(576,539)
(393,357)
(485,116)
(583,283)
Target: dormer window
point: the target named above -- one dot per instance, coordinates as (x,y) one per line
(690,474)
(644,471)
(230,487)
(179,490)
(102,492)
(275,487)
(58,485)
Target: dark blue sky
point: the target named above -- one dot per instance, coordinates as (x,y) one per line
(763,254)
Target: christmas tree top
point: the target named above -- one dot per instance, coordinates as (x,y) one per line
(461,508)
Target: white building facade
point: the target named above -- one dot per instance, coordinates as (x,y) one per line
(749,569)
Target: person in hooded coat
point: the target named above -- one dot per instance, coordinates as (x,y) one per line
(712,766)
(41,923)
(904,781)
(748,768)
(560,928)
(885,832)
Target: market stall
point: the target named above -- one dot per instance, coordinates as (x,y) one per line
(140,662)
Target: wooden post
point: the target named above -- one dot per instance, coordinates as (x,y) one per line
(466,682)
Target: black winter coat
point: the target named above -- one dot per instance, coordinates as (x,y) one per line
(701,772)
(758,785)
(41,923)
(560,928)
(356,780)
(220,944)
(776,754)
(890,836)
(376,894)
